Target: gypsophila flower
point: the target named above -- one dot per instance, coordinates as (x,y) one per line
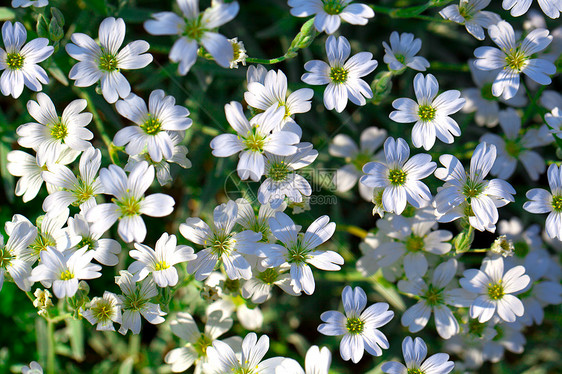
(470,14)
(469,195)
(20,62)
(430,113)
(64,270)
(402,52)
(239,53)
(15,257)
(160,262)
(104,62)
(317,361)
(221,242)
(135,302)
(103,311)
(342,75)
(493,289)
(196,28)
(42,301)
(542,201)
(105,249)
(513,58)
(129,202)
(551,8)
(513,146)
(554,121)
(253,139)
(76,191)
(299,250)
(53,133)
(359,326)
(400,176)
(34,367)
(222,359)
(248,220)
(154,125)
(414,352)
(328,14)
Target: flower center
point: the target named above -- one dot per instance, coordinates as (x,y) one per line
(221,243)
(466,11)
(297,254)
(512,148)
(472,189)
(516,59)
(333,6)
(355,325)
(278,171)
(5,257)
(151,126)
(486,92)
(66,275)
(202,344)
(108,63)
(414,243)
(194,28)
(254,141)
(426,112)
(400,57)
(103,311)
(59,130)
(415,371)
(89,242)
(82,193)
(269,276)
(521,249)
(128,207)
(396,177)
(162,265)
(41,242)
(338,75)
(14,61)
(557,203)
(433,296)
(360,160)
(495,291)
(476,328)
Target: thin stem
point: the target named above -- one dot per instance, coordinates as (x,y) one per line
(437,65)
(51,343)
(353,230)
(265,61)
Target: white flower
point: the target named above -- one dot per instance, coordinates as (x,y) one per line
(20,62)
(272,91)
(359,326)
(542,201)
(64,270)
(342,76)
(253,138)
(135,302)
(221,243)
(514,147)
(258,288)
(15,257)
(129,202)
(356,157)
(481,100)
(329,13)
(551,8)
(469,194)
(222,359)
(554,121)
(399,176)
(435,297)
(104,311)
(299,250)
(283,180)
(163,168)
(195,350)
(160,262)
(238,53)
(25,4)
(105,249)
(247,218)
(195,28)
(34,367)
(402,52)
(30,169)
(317,361)
(493,289)
(513,58)
(154,125)
(76,191)
(415,352)
(229,303)
(53,133)
(430,113)
(470,14)
(104,62)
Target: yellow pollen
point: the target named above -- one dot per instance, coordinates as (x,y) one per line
(338,75)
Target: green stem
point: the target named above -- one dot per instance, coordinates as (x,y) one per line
(51,343)
(266,61)
(353,230)
(437,65)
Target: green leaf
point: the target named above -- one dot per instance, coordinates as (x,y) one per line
(76,335)
(57,15)
(58,74)
(6,14)
(127,366)
(42,27)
